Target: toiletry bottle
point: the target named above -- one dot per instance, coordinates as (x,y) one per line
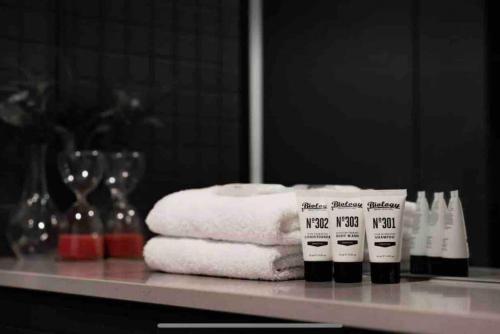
(435,231)
(347,235)
(455,249)
(383,212)
(418,257)
(315,234)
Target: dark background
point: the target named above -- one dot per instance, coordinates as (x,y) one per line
(383,94)
(192,52)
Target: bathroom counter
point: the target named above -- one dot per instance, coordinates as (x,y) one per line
(417,305)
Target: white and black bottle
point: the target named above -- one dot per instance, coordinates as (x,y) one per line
(437,219)
(455,249)
(418,257)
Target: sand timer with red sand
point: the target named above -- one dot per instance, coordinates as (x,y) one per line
(81,236)
(124,237)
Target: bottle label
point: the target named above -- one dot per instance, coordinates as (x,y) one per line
(315,229)
(418,243)
(383,215)
(454,244)
(436,228)
(348,229)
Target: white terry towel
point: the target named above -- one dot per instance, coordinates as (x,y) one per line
(227,259)
(260,214)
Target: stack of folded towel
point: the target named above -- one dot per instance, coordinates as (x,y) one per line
(246,231)
(242,231)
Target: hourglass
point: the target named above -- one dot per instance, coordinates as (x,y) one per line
(81,236)
(124,236)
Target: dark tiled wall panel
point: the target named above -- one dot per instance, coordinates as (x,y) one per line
(388,76)
(189,52)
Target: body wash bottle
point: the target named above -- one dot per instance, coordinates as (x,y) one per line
(435,231)
(455,249)
(418,256)
(347,235)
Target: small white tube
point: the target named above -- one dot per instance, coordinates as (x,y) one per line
(315,233)
(347,235)
(437,220)
(383,211)
(455,249)
(418,246)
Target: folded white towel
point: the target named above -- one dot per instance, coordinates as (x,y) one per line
(227,259)
(260,214)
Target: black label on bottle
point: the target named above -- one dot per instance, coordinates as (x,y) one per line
(385,244)
(317,243)
(347,242)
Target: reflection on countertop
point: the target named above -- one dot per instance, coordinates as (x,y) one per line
(441,301)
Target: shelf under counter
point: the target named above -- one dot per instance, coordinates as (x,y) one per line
(415,305)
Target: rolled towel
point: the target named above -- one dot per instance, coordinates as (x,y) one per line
(227,259)
(260,214)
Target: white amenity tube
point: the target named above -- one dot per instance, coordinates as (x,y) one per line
(437,219)
(315,233)
(347,234)
(455,249)
(383,211)
(418,251)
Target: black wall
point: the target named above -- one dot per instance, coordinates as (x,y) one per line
(191,53)
(383,94)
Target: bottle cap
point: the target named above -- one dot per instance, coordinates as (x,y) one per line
(384,273)
(454,193)
(318,271)
(419,265)
(439,194)
(455,267)
(435,265)
(421,194)
(348,272)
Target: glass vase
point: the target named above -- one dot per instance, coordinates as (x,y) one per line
(33,226)
(124,237)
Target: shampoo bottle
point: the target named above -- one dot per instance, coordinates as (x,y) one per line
(383,212)
(437,218)
(455,249)
(418,256)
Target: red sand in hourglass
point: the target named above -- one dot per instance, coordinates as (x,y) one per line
(81,246)
(125,245)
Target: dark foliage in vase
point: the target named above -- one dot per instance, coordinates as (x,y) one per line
(30,107)
(112,128)
(119,124)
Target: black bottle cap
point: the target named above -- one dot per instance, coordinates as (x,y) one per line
(348,272)
(419,264)
(318,271)
(435,265)
(384,273)
(454,267)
